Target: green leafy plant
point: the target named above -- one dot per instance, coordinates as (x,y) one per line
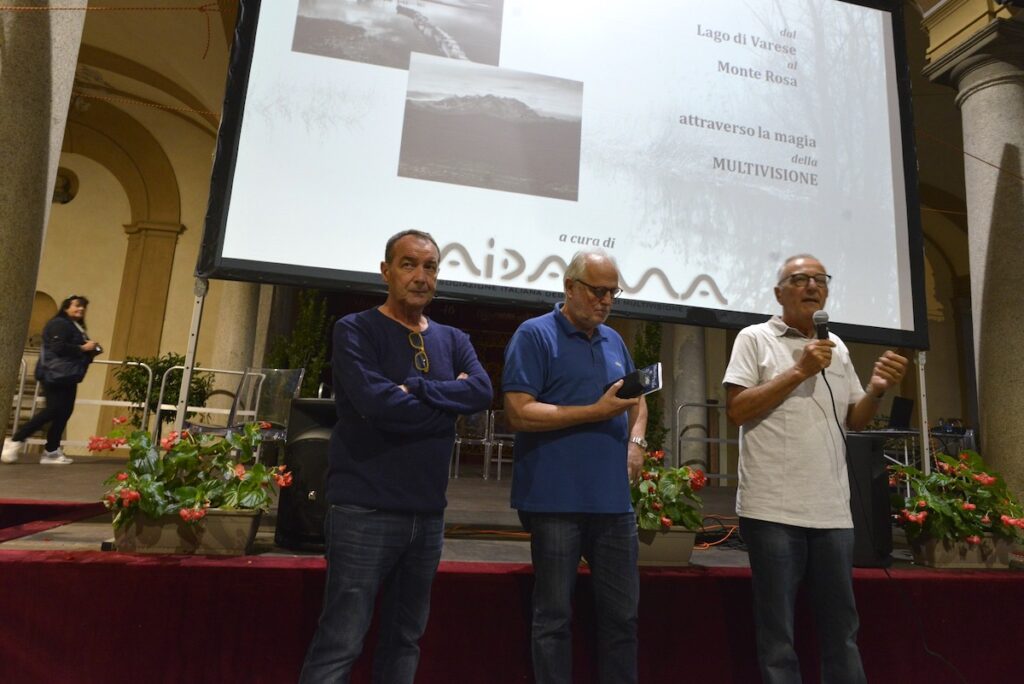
(132,380)
(664,496)
(187,474)
(306,346)
(960,500)
(646,351)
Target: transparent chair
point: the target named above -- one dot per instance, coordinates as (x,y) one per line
(501,436)
(264,395)
(472,430)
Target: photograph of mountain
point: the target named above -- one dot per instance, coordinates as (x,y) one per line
(487,127)
(385,32)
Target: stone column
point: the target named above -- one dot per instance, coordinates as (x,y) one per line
(689,387)
(988,72)
(142,301)
(235,332)
(38,54)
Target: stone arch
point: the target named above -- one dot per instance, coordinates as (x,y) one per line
(110,137)
(44,307)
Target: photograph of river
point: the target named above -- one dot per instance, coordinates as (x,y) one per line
(385,32)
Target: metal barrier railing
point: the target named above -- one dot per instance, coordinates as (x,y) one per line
(20,396)
(161,407)
(711,439)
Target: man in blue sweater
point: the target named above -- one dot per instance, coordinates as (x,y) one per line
(400,380)
(577,445)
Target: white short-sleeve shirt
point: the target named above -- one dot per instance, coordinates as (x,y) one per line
(792,466)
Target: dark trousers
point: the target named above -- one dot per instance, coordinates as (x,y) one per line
(371,552)
(60,404)
(609,543)
(781,558)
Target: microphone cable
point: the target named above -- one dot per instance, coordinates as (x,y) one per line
(911,605)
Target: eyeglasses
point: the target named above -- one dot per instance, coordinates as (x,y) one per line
(420,359)
(600,292)
(801,279)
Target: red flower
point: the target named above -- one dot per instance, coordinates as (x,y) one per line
(121,477)
(169,441)
(984,478)
(656,505)
(985,520)
(99,444)
(917,518)
(646,475)
(658,455)
(264,425)
(119,420)
(968,506)
(191,514)
(973,539)
(239,471)
(697,480)
(666,521)
(284,480)
(964,456)
(921,503)
(129,496)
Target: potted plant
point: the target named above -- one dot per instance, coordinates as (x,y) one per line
(667,510)
(189,493)
(133,382)
(960,515)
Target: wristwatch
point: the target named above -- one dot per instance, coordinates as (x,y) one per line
(639,441)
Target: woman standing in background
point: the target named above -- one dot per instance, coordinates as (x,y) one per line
(64,358)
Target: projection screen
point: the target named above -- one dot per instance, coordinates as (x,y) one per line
(699,142)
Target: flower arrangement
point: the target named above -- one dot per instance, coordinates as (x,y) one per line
(960,500)
(664,496)
(188,474)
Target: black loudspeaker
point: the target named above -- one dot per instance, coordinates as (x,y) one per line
(869,501)
(303,506)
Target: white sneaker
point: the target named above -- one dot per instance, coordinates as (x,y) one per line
(12,450)
(55,457)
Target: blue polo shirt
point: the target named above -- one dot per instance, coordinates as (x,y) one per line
(580,469)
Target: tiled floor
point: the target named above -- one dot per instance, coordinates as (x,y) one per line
(481,525)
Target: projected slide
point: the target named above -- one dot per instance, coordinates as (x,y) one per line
(699,142)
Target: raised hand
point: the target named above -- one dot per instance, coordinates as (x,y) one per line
(888,372)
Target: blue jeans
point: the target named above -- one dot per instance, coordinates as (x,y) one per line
(781,557)
(609,543)
(366,549)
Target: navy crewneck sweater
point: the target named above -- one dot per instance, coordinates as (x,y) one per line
(390,449)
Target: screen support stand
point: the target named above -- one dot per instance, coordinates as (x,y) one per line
(922,401)
(199,289)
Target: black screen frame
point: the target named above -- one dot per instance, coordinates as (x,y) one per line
(212,264)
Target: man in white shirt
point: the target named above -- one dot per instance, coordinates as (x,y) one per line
(789,393)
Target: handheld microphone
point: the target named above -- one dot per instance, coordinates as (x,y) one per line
(820,319)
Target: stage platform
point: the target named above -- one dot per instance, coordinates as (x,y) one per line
(70,612)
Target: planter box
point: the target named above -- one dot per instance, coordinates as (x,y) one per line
(990,553)
(219,533)
(671,547)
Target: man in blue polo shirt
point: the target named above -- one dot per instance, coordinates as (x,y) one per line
(576,448)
